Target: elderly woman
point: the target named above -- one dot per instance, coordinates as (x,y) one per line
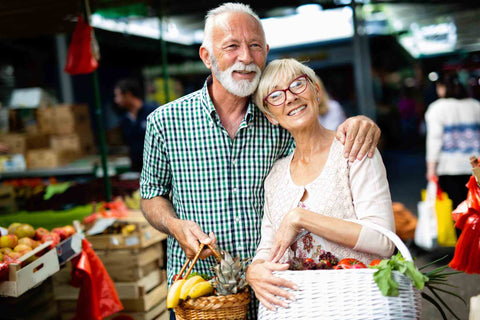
(310,193)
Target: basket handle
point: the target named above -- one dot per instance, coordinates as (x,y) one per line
(197,255)
(389,234)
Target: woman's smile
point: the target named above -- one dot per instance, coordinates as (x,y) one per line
(297,110)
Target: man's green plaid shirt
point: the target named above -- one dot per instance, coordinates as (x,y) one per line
(214,180)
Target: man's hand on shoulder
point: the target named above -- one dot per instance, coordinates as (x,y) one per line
(360,136)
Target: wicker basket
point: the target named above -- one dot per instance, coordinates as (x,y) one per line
(231,307)
(348,294)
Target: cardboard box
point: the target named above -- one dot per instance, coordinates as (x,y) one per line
(64,119)
(66,142)
(71,118)
(21,142)
(80,143)
(45,121)
(49,158)
(21,279)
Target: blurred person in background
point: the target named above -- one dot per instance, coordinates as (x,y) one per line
(331,112)
(453,135)
(128,96)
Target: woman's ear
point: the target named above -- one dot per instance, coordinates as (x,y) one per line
(318,92)
(271,119)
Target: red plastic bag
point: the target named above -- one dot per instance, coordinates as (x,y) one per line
(81,58)
(98,297)
(467,217)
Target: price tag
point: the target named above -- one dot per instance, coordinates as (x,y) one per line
(131,241)
(114,241)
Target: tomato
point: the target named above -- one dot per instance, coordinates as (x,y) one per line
(175,277)
(375,262)
(349,263)
(308,260)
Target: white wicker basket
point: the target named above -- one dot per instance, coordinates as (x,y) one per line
(348,294)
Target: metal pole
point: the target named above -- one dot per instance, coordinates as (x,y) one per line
(362,67)
(163,46)
(101,137)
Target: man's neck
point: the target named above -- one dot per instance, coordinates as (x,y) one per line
(230,108)
(135,107)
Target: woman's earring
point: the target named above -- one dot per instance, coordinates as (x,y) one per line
(275,122)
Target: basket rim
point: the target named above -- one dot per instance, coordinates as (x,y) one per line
(219,301)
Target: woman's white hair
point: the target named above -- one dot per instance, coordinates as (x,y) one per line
(224,8)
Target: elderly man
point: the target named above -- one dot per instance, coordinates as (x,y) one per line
(211,150)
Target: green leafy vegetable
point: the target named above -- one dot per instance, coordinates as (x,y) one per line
(432,280)
(383,276)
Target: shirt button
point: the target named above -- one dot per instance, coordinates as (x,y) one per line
(235,190)
(234,162)
(237,219)
(240,248)
(211,124)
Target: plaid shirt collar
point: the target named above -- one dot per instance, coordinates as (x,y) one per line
(207,104)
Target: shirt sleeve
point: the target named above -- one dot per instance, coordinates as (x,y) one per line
(267,235)
(156,175)
(372,202)
(434,125)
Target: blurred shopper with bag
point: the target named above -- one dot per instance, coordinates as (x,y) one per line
(453,134)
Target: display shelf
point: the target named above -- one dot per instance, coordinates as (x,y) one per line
(84,166)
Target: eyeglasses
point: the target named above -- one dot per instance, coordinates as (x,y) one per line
(297,86)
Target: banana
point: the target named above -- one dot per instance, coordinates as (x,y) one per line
(189,285)
(200,289)
(173,297)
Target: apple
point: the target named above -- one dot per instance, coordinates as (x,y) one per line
(24,230)
(61,232)
(12,256)
(5,250)
(12,227)
(8,241)
(55,237)
(69,230)
(29,242)
(22,248)
(40,232)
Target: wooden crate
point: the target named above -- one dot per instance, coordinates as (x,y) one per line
(132,264)
(145,303)
(125,290)
(143,236)
(36,303)
(24,278)
(157,313)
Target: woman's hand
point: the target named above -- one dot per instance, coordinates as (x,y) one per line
(266,286)
(431,171)
(285,234)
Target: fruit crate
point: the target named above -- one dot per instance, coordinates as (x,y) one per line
(142,299)
(127,265)
(69,248)
(143,236)
(21,279)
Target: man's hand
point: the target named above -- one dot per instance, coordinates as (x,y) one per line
(359,135)
(267,287)
(189,235)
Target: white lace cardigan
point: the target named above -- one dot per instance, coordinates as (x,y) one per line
(343,190)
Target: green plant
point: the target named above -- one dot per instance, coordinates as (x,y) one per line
(435,281)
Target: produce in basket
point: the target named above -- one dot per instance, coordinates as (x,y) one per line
(230,274)
(432,280)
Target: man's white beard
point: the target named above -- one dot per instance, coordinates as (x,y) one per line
(240,88)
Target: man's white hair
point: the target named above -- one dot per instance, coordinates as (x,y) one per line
(224,8)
